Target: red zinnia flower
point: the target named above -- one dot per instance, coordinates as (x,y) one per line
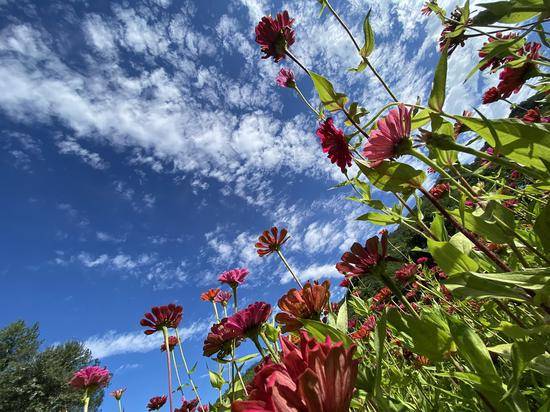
(406,272)
(360,260)
(210,295)
(439,190)
(387,140)
(118,393)
(310,377)
(156,402)
(275,35)
(534,116)
(271,241)
(345,283)
(334,143)
(380,300)
(491,95)
(219,340)
(247,322)
(223,297)
(422,260)
(168,316)
(90,378)
(365,329)
(285,78)
(188,406)
(234,277)
(306,303)
(172,342)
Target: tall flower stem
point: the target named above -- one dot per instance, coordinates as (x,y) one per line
(258,346)
(369,65)
(169,365)
(289,269)
(233,363)
(193,386)
(308,104)
(419,221)
(119,405)
(216,314)
(216,311)
(86,400)
(298,62)
(177,372)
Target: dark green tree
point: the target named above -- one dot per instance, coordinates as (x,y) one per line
(34,380)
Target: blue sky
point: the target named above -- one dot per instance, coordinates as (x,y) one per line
(145,146)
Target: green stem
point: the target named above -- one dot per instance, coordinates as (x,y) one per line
(415,216)
(308,104)
(258,346)
(169,365)
(187,371)
(289,269)
(119,402)
(354,123)
(216,311)
(177,372)
(269,347)
(86,400)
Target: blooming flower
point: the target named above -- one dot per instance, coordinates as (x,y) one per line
(422,260)
(188,406)
(90,378)
(219,340)
(156,402)
(495,61)
(469,203)
(234,277)
(391,138)
(117,394)
(381,298)
(491,95)
(285,78)
(313,376)
(534,116)
(366,328)
(210,295)
(168,316)
(306,303)
(270,241)
(345,283)
(439,190)
(247,322)
(406,272)
(275,35)
(223,297)
(360,260)
(172,342)
(334,143)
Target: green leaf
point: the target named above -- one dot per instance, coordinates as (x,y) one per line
(508,11)
(216,380)
(392,176)
(332,100)
(541,226)
(438,227)
(428,336)
(358,305)
(342,319)
(421,118)
(525,143)
(271,332)
(450,259)
(380,218)
(462,243)
(320,331)
(532,278)
(483,225)
(246,358)
(379,339)
(470,286)
(497,48)
(437,96)
(523,353)
(368,47)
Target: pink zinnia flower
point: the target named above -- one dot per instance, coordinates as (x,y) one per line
(333,142)
(168,316)
(247,322)
(90,378)
(188,406)
(391,138)
(285,78)
(172,342)
(361,260)
(117,394)
(156,402)
(210,295)
(271,241)
(275,35)
(223,297)
(310,377)
(234,277)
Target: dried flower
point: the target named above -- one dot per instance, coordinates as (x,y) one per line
(391,138)
(172,342)
(270,241)
(156,402)
(286,78)
(333,142)
(210,295)
(310,377)
(234,277)
(168,316)
(275,35)
(306,303)
(90,378)
(449,36)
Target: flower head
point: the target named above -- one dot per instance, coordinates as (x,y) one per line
(439,190)
(306,303)
(223,297)
(534,116)
(156,402)
(382,297)
(234,277)
(172,342)
(219,340)
(210,295)
(333,142)
(449,34)
(90,378)
(117,394)
(285,78)
(188,406)
(496,61)
(275,35)
(366,328)
(406,272)
(361,260)
(168,316)
(247,322)
(270,241)
(345,283)
(491,95)
(421,260)
(311,376)
(391,138)
(426,10)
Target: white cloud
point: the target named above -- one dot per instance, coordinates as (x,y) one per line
(313,272)
(71,146)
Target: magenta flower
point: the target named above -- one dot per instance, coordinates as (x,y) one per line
(219,340)
(335,144)
(246,323)
(234,277)
(439,190)
(90,378)
(172,342)
(391,138)
(168,316)
(156,402)
(406,272)
(188,406)
(223,297)
(534,116)
(285,78)
(422,260)
(365,329)
(275,35)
